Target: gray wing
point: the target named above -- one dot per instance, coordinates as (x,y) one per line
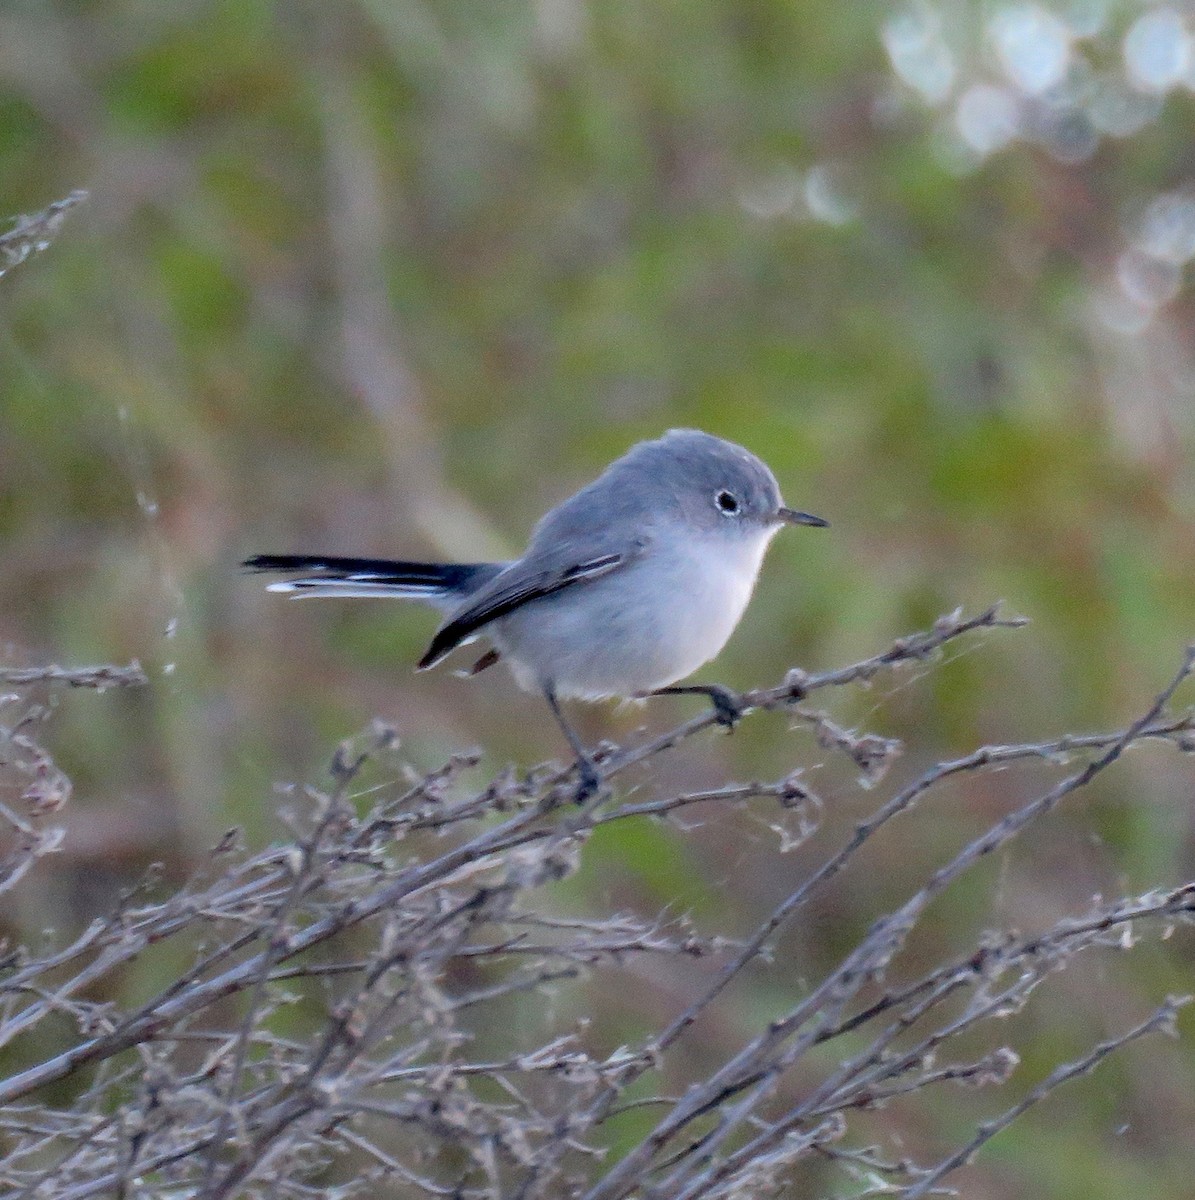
(530,578)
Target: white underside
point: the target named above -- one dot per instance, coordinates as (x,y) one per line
(637,629)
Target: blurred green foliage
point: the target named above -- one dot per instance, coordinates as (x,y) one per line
(392,277)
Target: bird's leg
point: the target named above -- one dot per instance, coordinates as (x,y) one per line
(590,779)
(728,706)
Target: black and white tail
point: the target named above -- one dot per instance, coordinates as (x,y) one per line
(439,584)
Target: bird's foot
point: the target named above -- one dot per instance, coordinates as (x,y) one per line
(589,780)
(728,706)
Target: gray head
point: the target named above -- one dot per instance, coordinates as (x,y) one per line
(684,478)
(693,476)
(718,484)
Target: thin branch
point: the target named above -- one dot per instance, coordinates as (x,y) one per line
(101,678)
(403,919)
(32,234)
(1162,1020)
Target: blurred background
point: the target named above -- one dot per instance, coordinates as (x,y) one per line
(392,277)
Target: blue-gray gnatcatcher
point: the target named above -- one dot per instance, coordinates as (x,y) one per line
(626,587)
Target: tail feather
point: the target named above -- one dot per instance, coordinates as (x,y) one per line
(325,575)
(347,589)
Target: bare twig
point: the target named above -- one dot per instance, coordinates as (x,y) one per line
(1160,1021)
(101,678)
(33,234)
(322,1024)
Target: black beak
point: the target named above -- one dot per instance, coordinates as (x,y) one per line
(790,516)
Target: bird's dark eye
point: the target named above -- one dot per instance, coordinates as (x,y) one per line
(727,502)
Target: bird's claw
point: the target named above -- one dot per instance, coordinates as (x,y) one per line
(589,781)
(728,707)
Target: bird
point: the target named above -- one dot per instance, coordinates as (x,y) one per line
(625,588)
